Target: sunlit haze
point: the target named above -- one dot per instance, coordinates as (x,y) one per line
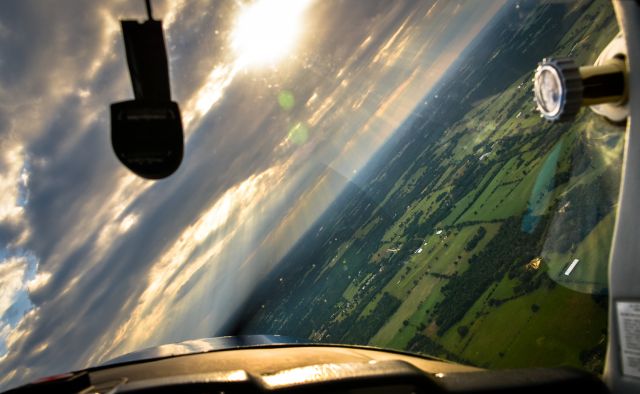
(283,101)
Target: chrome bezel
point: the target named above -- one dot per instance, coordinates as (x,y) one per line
(554,112)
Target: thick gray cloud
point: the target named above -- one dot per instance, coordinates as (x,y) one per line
(122,263)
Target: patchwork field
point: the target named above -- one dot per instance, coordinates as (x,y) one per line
(459,247)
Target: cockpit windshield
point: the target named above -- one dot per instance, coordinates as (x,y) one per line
(355,172)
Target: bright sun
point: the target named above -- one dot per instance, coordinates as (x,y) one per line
(267,30)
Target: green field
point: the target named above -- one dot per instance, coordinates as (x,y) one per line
(458,247)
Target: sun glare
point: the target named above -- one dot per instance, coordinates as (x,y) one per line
(267,30)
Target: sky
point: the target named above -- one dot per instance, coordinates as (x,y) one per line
(283,102)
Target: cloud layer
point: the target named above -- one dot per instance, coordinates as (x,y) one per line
(98,262)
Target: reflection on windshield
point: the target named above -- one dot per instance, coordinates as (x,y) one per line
(481,234)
